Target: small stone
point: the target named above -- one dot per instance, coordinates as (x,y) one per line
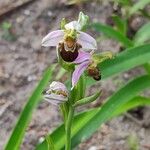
(126,75)
(31,78)
(2,102)
(27,12)
(49,13)
(142,133)
(93,148)
(136,22)
(13,48)
(36,43)
(20,19)
(23,40)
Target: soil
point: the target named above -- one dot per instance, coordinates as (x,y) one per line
(23,60)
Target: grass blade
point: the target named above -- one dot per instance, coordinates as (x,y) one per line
(115,101)
(138,6)
(120,24)
(142,35)
(133,103)
(110,32)
(25,117)
(124,61)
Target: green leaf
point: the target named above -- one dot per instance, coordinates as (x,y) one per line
(87,99)
(133,103)
(110,32)
(124,2)
(50,143)
(133,142)
(58,135)
(25,117)
(142,35)
(124,61)
(85,124)
(115,101)
(6,25)
(147,67)
(138,6)
(120,24)
(60,73)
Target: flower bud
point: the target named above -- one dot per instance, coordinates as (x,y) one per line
(57,93)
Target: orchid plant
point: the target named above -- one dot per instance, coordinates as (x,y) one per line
(76,52)
(78,55)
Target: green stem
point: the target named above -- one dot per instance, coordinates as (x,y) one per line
(64,111)
(50,143)
(68,128)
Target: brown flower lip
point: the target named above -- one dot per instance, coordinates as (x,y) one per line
(94,72)
(69,54)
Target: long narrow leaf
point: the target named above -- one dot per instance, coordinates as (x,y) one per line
(25,117)
(142,35)
(88,122)
(110,32)
(124,61)
(58,135)
(133,103)
(60,132)
(116,101)
(87,99)
(120,23)
(138,6)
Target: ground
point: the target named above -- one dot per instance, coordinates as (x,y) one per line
(23,60)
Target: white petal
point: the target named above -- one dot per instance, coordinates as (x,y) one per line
(53,38)
(56,85)
(86,41)
(55,99)
(73,25)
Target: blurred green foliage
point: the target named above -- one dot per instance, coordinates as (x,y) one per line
(7,33)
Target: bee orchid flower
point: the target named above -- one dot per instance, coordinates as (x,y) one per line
(57,93)
(72,45)
(89,61)
(70,39)
(71,29)
(55,37)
